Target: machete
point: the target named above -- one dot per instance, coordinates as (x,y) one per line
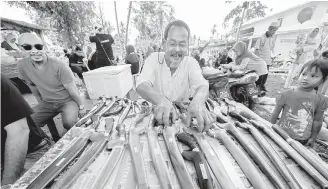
(157,156)
(272,154)
(96,117)
(117,148)
(52,171)
(197,157)
(293,154)
(135,149)
(94,110)
(213,161)
(248,167)
(178,163)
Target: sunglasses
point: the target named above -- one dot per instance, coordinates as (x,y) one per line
(36,46)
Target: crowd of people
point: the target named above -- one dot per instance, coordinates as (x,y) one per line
(168,75)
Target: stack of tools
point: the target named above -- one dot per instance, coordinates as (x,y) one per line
(119,144)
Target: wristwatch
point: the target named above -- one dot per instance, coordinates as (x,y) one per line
(81,107)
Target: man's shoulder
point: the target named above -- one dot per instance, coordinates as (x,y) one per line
(56,62)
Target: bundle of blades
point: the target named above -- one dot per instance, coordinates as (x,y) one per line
(87,157)
(116,109)
(198,159)
(134,144)
(117,147)
(52,171)
(272,154)
(157,156)
(213,161)
(248,167)
(97,117)
(314,160)
(293,154)
(94,110)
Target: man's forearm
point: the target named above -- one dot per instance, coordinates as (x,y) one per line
(77,98)
(201,94)
(35,92)
(149,94)
(15,153)
(316,129)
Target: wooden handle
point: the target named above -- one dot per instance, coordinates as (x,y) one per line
(187,140)
(203,174)
(281,132)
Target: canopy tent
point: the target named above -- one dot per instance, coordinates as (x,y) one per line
(20,26)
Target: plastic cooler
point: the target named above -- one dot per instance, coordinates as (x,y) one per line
(108,81)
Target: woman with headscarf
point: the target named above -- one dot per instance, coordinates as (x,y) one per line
(246,60)
(133,59)
(305,51)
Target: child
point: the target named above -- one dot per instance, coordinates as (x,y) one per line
(303,108)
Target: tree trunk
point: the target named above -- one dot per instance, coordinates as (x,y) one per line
(118,29)
(127,24)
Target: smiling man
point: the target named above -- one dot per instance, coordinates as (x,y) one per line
(172,75)
(51,82)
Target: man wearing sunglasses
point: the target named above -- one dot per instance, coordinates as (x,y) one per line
(51,82)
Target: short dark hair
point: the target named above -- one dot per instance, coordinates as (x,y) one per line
(179,23)
(319,64)
(65,50)
(325,54)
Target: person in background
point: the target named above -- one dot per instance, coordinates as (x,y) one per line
(104,51)
(19,134)
(132,59)
(67,55)
(51,82)
(10,43)
(202,62)
(264,47)
(246,60)
(323,89)
(303,108)
(174,76)
(324,55)
(76,62)
(117,59)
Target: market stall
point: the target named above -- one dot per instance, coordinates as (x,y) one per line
(119,145)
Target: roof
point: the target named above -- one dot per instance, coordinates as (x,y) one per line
(13,24)
(274,14)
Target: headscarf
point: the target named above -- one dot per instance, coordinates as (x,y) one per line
(242,47)
(131,56)
(311,39)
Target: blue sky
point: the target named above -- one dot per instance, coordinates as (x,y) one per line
(200,15)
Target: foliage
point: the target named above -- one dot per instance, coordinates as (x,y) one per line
(72,20)
(150,18)
(100,18)
(255,10)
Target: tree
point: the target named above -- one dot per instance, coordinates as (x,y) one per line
(127,23)
(100,15)
(70,19)
(151,17)
(255,10)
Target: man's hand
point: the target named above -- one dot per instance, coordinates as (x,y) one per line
(163,112)
(310,142)
(82,112)
(227,66)
(204,119)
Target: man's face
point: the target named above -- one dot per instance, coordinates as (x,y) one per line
(33,45)
(272,31)
(176,46)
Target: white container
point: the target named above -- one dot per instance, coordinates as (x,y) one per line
(109,81)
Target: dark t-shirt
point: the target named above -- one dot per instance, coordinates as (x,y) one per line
(13,108)
(75,59)
(103,44)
